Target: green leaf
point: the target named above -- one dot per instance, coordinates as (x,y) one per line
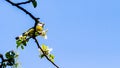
(16,56)
(10,55)
(52,60)
(24,43)
(44,47)
(34,3)
(7,55)
(16,65)
(18,42)
(4,65)
(51,56)
(22,47)
(41,56)
(17,46)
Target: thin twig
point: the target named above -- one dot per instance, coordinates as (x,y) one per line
(23,2)
(14,4)
(36,21)
(2,60)
(44,53)
(1,56)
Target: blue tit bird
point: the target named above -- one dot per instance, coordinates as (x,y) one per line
(39,29)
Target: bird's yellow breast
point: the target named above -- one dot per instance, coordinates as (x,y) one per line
(39,28)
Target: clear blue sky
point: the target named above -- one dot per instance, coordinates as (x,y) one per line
(82,33)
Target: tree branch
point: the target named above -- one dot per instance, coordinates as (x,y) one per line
(23,2)
(2,60)
(44,53)
(24,10)
(36,21)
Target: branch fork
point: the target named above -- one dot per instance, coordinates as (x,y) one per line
(36,21)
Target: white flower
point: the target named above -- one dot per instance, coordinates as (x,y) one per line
(46,49)
(40,24)
(20,36)
(44,34)
(45,37)
(49,50)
